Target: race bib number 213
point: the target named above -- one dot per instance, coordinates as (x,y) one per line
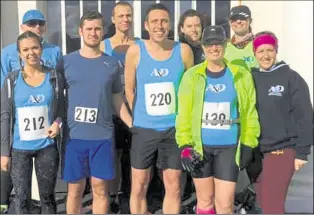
(86,115)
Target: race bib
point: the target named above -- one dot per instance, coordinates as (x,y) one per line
(33,122)
(216,111)
(85,115)
(160,99)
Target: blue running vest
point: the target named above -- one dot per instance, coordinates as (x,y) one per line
(157,83)
(220,102)
(32,114)
(109,51)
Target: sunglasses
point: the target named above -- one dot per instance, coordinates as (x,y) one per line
(33,23)
(211,43)
(236,18)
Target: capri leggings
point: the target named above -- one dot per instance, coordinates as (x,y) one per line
(6,187)
(46,166)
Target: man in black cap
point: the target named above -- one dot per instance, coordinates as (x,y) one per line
(240,47)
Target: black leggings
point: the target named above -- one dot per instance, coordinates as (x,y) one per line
(46,166)
(6,187)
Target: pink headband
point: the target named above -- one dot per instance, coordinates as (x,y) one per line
(265,39)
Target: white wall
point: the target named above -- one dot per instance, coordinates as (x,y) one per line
(292,22)
(9,22)
(298,38)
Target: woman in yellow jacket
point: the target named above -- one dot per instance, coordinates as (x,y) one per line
(217,124)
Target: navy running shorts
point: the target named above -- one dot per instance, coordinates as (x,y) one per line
(86,158)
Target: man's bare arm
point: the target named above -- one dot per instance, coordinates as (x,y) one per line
(187,56)
(131,62)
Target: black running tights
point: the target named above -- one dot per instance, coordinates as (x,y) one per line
(46,166)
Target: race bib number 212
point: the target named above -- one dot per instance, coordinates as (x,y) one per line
(33,122)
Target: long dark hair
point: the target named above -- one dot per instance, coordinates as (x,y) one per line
(26,35)
(186,14)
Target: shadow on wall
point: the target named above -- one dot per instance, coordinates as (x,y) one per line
(9,22)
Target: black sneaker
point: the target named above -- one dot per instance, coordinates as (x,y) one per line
(114,204)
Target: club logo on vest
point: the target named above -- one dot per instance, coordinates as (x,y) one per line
(48,63)
(160,72)
(217,88)
(276,90)
(248,59)
(36,99)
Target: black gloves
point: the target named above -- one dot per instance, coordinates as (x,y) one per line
(190,159)
(246,156)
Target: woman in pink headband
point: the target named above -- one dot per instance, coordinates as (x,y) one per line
(265,47)
(285,110)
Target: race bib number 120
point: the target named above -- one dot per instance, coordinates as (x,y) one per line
(160,99)
(216,111)
(86,115)
(33,122)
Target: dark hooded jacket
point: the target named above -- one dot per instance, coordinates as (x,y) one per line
(8,107)
(285,110)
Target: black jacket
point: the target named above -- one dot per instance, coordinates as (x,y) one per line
(7,106)
(285,110)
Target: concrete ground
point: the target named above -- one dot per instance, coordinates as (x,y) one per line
(299,199)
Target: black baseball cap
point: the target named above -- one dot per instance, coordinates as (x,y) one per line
(240,11)
(213,34)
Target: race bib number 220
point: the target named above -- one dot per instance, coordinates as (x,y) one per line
(160,99)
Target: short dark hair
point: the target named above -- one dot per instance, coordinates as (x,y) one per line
(157,6)
(186,14)
(121,3)
(91,15)
(25,35)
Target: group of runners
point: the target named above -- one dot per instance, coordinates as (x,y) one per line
(197,109)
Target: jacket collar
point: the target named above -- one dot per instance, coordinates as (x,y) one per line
(276,66)
(202,68)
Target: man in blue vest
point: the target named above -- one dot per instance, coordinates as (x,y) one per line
(33,20)
(116,46)
(153,70)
